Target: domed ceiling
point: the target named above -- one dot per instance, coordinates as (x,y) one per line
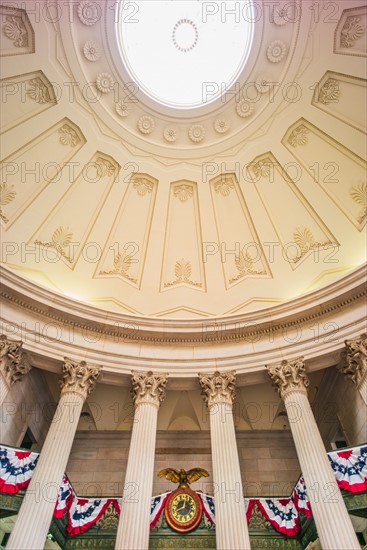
(183,159)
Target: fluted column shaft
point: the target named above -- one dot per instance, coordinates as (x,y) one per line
(134,524)
(331,517)
(230,514)
(4,388)
(35,514)
(353,363)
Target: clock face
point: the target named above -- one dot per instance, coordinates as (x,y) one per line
(183,510)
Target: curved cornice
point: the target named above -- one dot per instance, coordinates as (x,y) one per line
(314,325)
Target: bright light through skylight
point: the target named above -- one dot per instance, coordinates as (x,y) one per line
(185,53)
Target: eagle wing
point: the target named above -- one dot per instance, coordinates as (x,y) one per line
(171,474)
(196,473)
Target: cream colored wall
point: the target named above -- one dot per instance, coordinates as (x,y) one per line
(268,461)
(28,404)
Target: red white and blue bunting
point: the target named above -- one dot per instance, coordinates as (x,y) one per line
(16,469)
(349,466)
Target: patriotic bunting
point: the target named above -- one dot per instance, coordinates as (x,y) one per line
(64,498)
(349,466)
(84,512)
(281,513)
(158,504)
(208,506)
(16,469)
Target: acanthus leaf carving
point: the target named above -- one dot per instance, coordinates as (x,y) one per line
(143,186)
(359,195)
(218,388)
(14,362)
(299,136)
(183,192)
(105,167)
(183,271)
(353,363)
(38,91)
(60,240)
(7,195)
(289,376)
(148,388)
(329,92)
(305,240)
(78,377)
(223,187)
(15,30)
(245,266)
(68,136)
(121,266)
(351,32)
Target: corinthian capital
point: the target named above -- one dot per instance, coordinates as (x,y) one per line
(14,362)
(218,388)
(148,388)
(289,376)
(78,377)
(353,362)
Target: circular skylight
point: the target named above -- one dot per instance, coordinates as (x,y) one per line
(185,53)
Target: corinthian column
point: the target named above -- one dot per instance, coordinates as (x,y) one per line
(353,363)
(14,364)
(332,521)
(36,511)
(231,530)
(148,392)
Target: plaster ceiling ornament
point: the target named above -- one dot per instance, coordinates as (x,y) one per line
(223,187)
(183,270)
(105,83)
(280,16)
(88,12)
(276,51)
(245,266)
(78,377)
(146,124)
(15,30)
(92,50)
(299,136)
(38,91)
(104,167)
(183,192)
(264,83)
(221,125)
(122,109)
(244,108)
(197,133)
(148,388)
(289,376)
(306,241)
(143,186)
(60,241)
(170,134)
(68,136)
(218,388)
(359,195)
(185,35)
(121,266)
(351,32)
(7,195)
(329,92)
(263,168)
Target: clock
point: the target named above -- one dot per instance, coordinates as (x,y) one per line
(183,510)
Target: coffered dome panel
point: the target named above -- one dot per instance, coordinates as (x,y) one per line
(133,205)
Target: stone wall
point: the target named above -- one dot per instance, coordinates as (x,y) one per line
(268,461)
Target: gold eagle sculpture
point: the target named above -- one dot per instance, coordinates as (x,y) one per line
(183,477)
